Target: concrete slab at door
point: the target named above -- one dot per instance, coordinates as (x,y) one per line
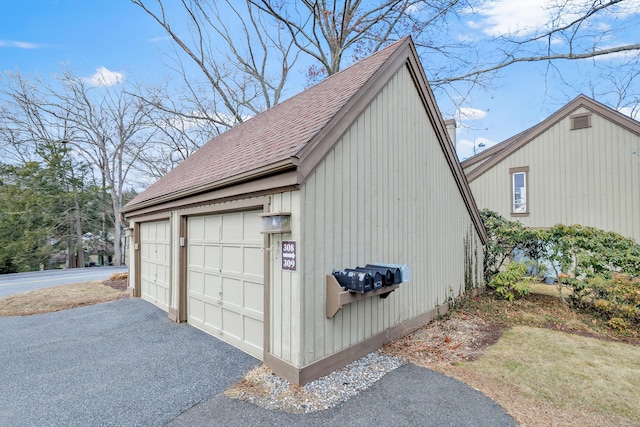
(155,259)
(225,278)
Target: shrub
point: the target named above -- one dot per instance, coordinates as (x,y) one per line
(505,237)
(512,282)
(616,298)
(587,252)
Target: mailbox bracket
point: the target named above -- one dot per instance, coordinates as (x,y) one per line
(337,296)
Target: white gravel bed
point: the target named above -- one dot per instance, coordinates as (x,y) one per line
(324,392)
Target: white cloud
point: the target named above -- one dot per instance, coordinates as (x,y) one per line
(18,44)
(468,113)
(467,148)
(510,16)
(627,8)
(603,26)
(557,41)
(105,77)
(634,113)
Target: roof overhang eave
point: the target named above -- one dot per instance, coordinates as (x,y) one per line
(270,169)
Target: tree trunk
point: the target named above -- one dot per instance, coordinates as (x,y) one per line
(71,259)
(79,243)
(117,226)
(117,242)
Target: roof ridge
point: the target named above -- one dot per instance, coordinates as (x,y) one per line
(271,136)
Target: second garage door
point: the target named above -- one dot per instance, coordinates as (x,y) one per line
(154,262)
(225,278)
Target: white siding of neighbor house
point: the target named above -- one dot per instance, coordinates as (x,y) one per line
(586,176)
(384,193)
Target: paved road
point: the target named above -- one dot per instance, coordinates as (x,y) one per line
(124,363)
(21,282)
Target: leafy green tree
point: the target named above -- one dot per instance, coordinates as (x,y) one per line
(77,201)
(46,208)
(25,220)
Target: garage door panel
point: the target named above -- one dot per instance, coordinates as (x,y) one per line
(196,282)
(162,252)
(232,292)
(211,232)
(162,232)
(232,260)
(195,306)
(196,229)
(155,263)
(195,255)
(232,323)
(254,297)
(225,279)
(252,329)
(213,317)
(212,286)
(212,256)
(250,266)
(232,227)
(252,228)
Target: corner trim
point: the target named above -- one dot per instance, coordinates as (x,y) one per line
(173,315)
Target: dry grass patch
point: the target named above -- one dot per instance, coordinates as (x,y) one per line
(119,276)
(553,366)
(550,290)
(58,298)
(569,373)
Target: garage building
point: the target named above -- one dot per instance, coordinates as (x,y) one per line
(240,239)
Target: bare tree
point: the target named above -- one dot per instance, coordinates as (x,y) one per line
(568,35)
(244,60)
(326,30)
(106,125)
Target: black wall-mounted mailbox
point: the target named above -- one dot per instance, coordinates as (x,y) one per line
(354,281)
(377,280)
(392,274)
(371,277)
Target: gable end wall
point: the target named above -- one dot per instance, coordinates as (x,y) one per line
(586,176)
(384,193)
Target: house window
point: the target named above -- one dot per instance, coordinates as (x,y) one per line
(519,191)
(581,121)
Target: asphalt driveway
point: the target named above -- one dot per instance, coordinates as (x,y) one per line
(124,363)
(119,363)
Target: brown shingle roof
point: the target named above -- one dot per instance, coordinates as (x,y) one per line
(276,135)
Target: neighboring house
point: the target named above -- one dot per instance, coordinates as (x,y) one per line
(362,168)
(579,166)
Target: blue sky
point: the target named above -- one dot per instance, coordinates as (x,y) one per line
(117,40)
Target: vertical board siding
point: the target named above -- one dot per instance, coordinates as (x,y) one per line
(586,176)
(384,193)
(285,304)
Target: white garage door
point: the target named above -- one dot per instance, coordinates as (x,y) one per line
(225,278)
(155,263)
